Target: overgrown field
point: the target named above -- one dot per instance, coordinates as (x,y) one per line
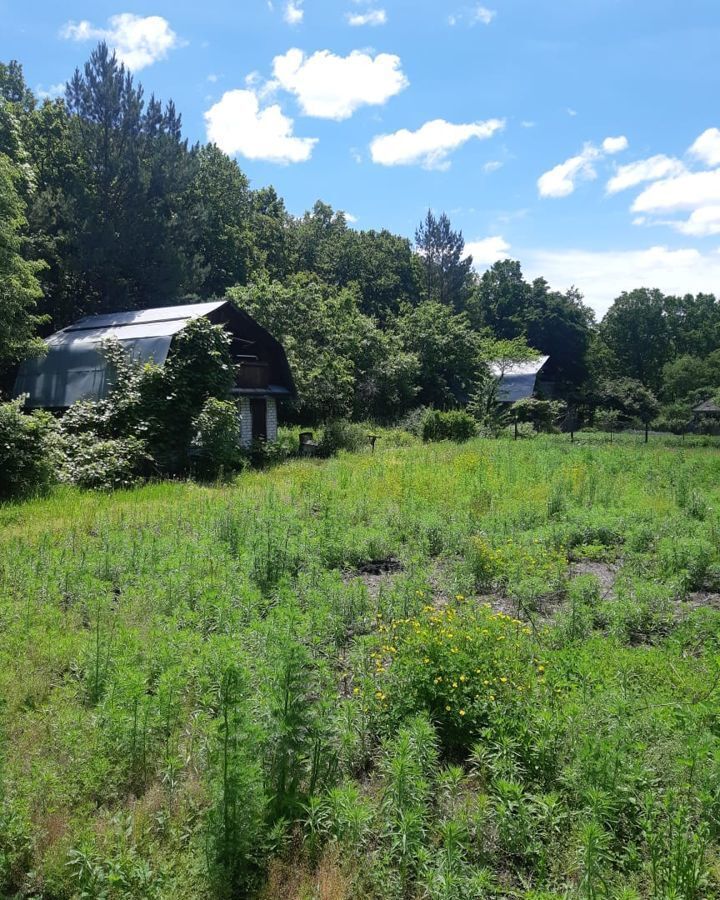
(489,670)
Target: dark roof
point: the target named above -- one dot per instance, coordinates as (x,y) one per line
(74,367)
(709,406)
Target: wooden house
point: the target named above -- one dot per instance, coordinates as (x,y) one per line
(74,367)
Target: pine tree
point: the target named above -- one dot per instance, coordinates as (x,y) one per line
(446,271)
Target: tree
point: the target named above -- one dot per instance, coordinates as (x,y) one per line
(558,325)
(631,399)
(447,350)
(636,331)
(445,272)
(220,242)
(497,357)
(386,273)
(340,360)
(19,286)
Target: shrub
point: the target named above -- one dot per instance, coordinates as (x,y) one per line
(342,435)
(215,448)
(465,666)
(448,426)
(103,465)
(26,458)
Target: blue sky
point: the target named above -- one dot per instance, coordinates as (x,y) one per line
(579,137)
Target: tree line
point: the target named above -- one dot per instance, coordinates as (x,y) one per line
(104,205)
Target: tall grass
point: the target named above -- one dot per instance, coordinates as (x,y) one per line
(206,687)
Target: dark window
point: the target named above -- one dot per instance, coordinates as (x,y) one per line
(258,415)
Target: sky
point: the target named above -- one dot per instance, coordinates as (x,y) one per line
(581,137)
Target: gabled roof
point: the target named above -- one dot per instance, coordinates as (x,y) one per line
(74,367)
(517,381)
(709,406)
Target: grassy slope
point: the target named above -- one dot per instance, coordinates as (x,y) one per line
(175,656)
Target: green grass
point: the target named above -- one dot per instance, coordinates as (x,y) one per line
(202,696)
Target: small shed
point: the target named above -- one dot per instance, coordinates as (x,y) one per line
(708,408)
(74,367)
(518,381)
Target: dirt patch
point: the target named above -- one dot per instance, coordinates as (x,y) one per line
(606,574)
(698,600)
(374,573)
(387,566)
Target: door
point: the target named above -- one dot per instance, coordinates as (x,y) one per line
(258,416)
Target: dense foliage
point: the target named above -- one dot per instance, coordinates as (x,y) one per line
(104,206)
(27,448)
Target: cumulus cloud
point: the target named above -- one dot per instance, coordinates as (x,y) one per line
(333,87)
(487,250)
(651,169)
(602,275)
(371,17)
(294,12)
(706,148)
(701,223)
(431,145)
(615,144)
(562,180)
(687,191)
(138,41)
(492,166)
(238,125)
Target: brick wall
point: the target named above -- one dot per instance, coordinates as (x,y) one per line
(271,421)
(245,422)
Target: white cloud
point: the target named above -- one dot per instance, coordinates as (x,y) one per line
(488,250)
(294,13)
(483,15)
(238,126)
(51,93)
(492,166)
(333,87)
(651,169)
(706,148)
(474,15)
(613,145)
(139,41)
(602,275)
(371,17)
(702,222)
(687,191)
(561,180)
(431,145)
(571,112)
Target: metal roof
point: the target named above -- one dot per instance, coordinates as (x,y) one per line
(517,381)
(709,406)
(74,367)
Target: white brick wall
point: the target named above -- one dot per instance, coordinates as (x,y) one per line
(245,422)
(271,420)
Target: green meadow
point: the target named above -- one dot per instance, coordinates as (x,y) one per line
(448,671)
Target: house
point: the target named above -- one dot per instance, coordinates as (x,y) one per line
(518,381)
(74,367)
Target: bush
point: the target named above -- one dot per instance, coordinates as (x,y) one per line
(342,435)
(215,447)
(464,666)
(448,426)
(26,457)
(103,465)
